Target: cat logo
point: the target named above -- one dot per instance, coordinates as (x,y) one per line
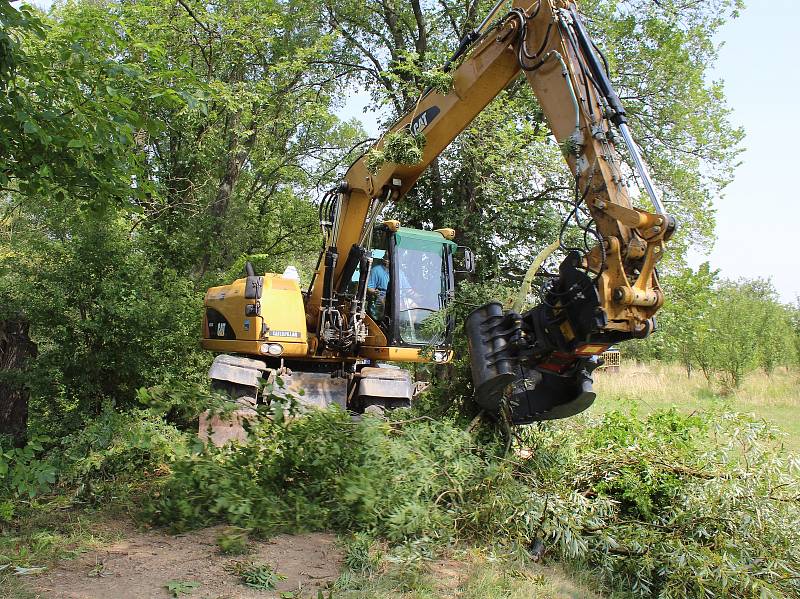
(423,120)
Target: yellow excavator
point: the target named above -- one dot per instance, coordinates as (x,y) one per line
(380,290)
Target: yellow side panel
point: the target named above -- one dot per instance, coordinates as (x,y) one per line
(282,309)
(282,312)
(397,354)
(229,301)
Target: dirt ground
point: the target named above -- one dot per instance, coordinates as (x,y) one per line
(142,563)
(140,567)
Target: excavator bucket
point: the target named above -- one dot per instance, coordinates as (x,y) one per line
(505,383)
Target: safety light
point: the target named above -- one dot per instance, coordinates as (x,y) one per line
(273,349)
(440,355)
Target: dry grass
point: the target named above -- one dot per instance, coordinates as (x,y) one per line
(648,387)
(468,577)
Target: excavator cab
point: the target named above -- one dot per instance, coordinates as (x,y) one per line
(411,282)
(420,286)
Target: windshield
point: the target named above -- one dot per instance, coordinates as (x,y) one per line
(421,288)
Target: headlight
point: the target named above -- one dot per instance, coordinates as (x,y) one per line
(440,355)
(273,349)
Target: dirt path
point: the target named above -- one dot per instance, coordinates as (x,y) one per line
(140,567)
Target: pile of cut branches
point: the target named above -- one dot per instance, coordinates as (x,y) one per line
(667,506)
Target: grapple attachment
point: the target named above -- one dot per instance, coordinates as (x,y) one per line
(538,365)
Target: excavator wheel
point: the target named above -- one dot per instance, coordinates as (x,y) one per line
(381,388)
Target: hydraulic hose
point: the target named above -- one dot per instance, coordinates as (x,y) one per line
(525,289)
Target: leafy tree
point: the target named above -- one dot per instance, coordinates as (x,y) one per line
(232,172)
(140,167)
(794,315)
(493,183)
(777,339)
(745,328)
(688,303)
(66,135)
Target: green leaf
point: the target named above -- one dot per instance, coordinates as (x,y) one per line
(181,587)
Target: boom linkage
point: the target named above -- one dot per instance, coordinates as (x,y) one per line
(536,365)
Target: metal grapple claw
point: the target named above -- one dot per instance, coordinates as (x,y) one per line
(538,365)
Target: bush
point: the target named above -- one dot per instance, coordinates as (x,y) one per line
(669,506)
(119,446)
(114,449)
(23,472)
(323,471)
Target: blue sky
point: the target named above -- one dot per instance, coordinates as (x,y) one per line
(758,61)
(756,234)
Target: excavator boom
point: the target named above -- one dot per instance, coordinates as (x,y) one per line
(536,365)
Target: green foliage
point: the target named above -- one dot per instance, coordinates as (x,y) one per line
(411,79)
(399,147)
(670,501)
(176,588)
(127,325)
(118,447)
(111,451)
(256,576)
(746,328)
(725,328)
(181,402)
(24,472)
(438,80)
(326,472)
(794,316)
(67,122)
(362,553)
(138,169)
(648,504)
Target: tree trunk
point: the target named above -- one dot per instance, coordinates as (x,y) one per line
(237,152)
(15,349)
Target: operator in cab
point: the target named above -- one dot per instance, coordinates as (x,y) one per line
(377,284)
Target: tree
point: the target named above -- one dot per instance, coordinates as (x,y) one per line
(744,329)
(500,183)
(16,348)
(794,314)
(65,132)
(689,299)
(231,172)
(140,167)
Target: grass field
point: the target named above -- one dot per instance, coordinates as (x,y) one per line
(648,387)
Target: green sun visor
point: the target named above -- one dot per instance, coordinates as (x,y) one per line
(416,239)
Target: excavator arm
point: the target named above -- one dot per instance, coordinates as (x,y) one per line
(537,364)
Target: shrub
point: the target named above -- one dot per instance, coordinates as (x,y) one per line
(119,446)
(668,506)
(113,449)
(23,472)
